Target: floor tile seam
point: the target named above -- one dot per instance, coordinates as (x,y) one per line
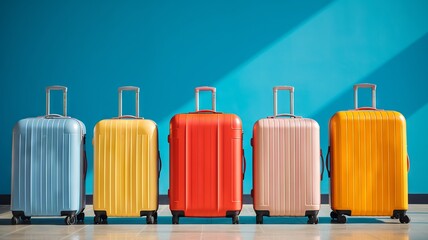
(17,230)
(71,234)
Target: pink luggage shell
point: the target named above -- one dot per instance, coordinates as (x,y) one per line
(286,165)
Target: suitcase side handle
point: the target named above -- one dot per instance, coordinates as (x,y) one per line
(327,158)
(85,164)
(48,99)
(365,85)
(244,162)
(275,100)
(213,97)
(322,164)
(137,100)
(159,164)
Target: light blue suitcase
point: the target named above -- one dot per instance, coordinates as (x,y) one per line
(49,166)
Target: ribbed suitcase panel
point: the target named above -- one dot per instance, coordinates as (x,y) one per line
(125,167)
(202,166)
(369,162)
(47,166)
(206,164)
(286,166)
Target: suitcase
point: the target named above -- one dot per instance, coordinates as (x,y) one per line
(286,165)
(48,166)
(126,166)
(206,163)
(368,162)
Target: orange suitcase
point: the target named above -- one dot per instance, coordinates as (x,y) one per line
(206,163)
(369,162)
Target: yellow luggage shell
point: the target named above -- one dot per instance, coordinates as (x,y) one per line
(368,162)
(125,166)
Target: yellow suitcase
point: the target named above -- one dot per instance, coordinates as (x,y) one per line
(368,162)
(126,166)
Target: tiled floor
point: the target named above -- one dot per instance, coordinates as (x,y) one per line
(204,228)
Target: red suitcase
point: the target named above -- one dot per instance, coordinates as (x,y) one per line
(207,163)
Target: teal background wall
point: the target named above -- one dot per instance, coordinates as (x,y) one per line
(243,48)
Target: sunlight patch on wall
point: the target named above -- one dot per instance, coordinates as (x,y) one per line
(322,58)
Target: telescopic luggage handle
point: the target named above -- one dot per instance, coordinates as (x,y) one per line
(275,101)
(48,100)
(137,101)
(205,88)
(365,85)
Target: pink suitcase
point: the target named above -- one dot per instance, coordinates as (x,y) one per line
(286,165)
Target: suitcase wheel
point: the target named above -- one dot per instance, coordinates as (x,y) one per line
(404,219)
(175,219)
(14,220)
(97,220)
(104,219)
(70,220)
(100,219)
(259,219)
(312,219)
(400,215)
(81,217)
(235,219)
(155,217)
(341,219)
(25,219)
(19,217)
(150,219)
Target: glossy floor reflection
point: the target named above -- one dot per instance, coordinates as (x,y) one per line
(220,228)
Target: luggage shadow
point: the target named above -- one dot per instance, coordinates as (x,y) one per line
(270,220)
(284,220)
(362,220)
(37,221)
(245,220)
(87,221)
(4,221)
(167,220)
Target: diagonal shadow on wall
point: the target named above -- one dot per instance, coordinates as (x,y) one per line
(401,86)
(166,48)
(202,42)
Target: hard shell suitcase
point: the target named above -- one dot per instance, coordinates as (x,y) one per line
(48,166)
(206,161)
(126,166)
(286,165)
(368,162)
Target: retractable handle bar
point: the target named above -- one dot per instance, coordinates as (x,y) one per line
(275,100)
(365,85)
(213,97)
(137,99)
(48,99)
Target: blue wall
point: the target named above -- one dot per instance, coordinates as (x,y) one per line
(243,48)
